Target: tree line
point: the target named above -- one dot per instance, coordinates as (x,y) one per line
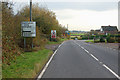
(12,41)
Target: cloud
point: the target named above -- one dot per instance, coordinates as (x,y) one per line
(97,6)
(82,15)
(65,0)
(86,19)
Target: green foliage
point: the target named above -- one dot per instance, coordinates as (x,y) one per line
(89,41)
(27,65)
(11,29)
(60,41)
(102,39)
(79,38)
(11,35)
(110,39)
(96,41)
(117,39)
(45,19)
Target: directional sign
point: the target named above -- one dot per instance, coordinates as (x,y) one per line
(53,33)
(28,29)
(66,31)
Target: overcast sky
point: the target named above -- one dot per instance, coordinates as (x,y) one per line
(81,15)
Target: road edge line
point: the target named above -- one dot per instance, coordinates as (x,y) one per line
(44,69)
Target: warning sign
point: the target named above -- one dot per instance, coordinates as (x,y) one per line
(53,33)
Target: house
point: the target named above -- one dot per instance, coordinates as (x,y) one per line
(109,29)
(94,32)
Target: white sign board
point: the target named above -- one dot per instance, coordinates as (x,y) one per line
(66,31)
(53,33)
(28,29)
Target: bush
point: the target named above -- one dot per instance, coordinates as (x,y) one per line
(57,39)
(118,39)
(110,39)
(79,38)
(84,37)
(12,40)
(102,39)
(96,41)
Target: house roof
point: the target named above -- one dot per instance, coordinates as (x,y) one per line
(109,28)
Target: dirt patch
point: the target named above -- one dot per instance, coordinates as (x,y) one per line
(52,47)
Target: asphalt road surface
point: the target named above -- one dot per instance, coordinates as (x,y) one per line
(77,59)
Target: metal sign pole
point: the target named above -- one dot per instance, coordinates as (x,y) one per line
(31,16)
(24,43)
(30,10)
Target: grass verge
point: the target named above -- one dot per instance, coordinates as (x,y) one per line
(89,41)
(27,65)
(59,42)
(96,41)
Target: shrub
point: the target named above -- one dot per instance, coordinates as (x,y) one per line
(102,39)
(79,38)
(110,39)
(96,41)
(57,39)
(117,39)
(84,37)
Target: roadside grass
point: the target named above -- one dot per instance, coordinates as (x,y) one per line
(96,41)
(27,65)
(77,34)
(89,41)
(74,36)
(59,42)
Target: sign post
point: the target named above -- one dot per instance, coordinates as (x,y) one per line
(28,30)
(31,17)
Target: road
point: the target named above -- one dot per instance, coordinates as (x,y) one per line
(77,59)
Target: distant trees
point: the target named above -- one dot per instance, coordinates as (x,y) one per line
(11,28)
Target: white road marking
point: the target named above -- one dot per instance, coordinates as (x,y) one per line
(100,62)
(86,50)
(94,57)
(44,69)
(111,71)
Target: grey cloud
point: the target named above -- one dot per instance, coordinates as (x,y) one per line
(97,6)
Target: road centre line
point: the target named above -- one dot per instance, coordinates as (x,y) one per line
(100,62)
(86,50)
(111,71)
(94,57)
(46,66)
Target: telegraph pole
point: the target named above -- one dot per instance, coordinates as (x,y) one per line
(31,17)
(67,26)
(30,10)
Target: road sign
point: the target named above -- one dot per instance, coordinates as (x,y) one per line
(53,33)
(28,29)
(66,31)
